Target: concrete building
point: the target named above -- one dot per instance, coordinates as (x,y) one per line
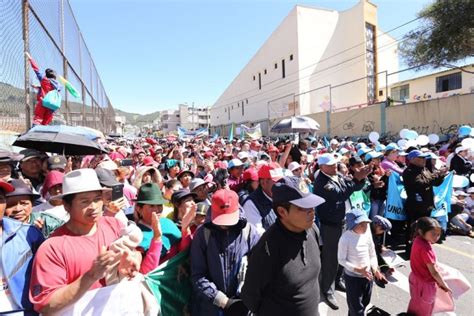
(170,120)
(434,86)
(316,60)
(194,117)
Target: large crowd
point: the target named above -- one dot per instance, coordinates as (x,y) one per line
(271,226)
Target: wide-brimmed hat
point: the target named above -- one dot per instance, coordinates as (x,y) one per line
(180,195)
(150,193)
(355,217)
(8,156)
(79,181)
(21,188)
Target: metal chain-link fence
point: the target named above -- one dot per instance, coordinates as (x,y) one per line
(48,30)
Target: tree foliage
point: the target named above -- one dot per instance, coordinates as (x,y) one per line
(445,36)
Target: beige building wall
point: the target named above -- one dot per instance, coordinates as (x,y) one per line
(439,116)
(424,88)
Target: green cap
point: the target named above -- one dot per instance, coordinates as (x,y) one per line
(150,193)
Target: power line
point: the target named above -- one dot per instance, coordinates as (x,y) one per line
(386,46)
(322,60)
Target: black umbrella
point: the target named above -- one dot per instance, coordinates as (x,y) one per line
(61,143)
(295,124)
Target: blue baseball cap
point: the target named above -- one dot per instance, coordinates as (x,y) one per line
(295,191)
(371,155)
(343,151)
(380,148)
(417,154)
(392,146)
(363,151)
(356,216)
(327,159)
(360,145)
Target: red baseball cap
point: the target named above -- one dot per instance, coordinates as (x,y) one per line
(209,154)
(225,208)
(149,161)
(271,171)
(6,187)
(250,174)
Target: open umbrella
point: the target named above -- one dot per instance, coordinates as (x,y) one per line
(66,129)
(57,142)
(295,124)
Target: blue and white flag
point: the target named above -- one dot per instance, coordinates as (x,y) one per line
(396,195)
(442,201)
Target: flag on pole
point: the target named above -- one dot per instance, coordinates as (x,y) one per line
(232,132)
(70,88)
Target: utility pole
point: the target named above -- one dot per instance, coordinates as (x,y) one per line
(192,117)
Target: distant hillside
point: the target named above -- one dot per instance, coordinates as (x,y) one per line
(138,119)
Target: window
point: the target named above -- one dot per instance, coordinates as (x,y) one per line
(265,72)
(228,114)
(283,75)
(259,81)
(247,101)
(380,93)
(253,78)
(243,110)
(276,65)
(401,93)
(291,57)
(449,82)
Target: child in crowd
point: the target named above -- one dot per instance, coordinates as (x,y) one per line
(460,217)
(356,253)
(379,227)
(424,276)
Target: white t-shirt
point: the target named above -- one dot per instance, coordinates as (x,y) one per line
(56,211)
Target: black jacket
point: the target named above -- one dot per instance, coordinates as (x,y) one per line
(419,184)
(460,165)
(283,273)
(336,193)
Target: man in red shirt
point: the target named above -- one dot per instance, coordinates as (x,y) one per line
(75,258)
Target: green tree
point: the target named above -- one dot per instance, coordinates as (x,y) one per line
(445,36)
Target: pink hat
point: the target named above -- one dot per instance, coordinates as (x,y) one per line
(53,178)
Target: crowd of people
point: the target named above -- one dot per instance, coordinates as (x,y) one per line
(271,226)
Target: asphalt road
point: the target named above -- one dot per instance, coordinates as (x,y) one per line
(456,251)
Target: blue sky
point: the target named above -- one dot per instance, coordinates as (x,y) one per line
(154,54)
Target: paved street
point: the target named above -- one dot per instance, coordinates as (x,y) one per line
(456,251)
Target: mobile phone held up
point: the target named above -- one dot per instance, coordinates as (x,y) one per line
(117,192)
(126,162)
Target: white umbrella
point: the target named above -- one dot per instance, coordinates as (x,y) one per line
(295,124)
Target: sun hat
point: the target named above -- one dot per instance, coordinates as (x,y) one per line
(225,207)
(183,173)
(243,155)
(294,165)
(150,194)
(180,195)
(79,181)
(21,188)
(295,191)
(355,217)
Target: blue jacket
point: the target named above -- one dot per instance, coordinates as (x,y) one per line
(215,265)
(333,211)
(20,243)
